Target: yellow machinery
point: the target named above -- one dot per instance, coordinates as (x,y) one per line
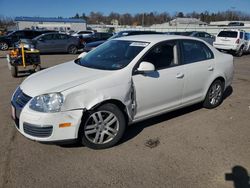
(21,57)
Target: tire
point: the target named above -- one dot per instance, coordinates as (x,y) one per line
(214,96)
(14,71)
(72,49)
(103,127)
(4,46)
(240,52)
(37,68)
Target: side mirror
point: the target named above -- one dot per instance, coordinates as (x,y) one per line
(145,67)
(41,39)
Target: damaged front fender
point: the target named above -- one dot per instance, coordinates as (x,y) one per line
(79,98)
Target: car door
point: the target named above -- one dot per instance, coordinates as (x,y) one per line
(203,36)
(16,36)
(198,64)
(162,89)
(45,43)
(209,38)
(60,42)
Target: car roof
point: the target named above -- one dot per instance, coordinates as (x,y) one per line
(154,38)
(53,33)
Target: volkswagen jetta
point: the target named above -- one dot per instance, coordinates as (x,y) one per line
(121,82)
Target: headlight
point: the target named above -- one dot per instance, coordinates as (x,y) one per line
(28,46)
(47,103)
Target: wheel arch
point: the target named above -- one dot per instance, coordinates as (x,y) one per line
(86,112)
(219,77)
(116,102)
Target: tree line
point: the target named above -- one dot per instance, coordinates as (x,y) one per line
(5,22)
(148,19)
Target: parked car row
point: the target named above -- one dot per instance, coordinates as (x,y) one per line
(92,45)
(53,42)
(235,41)
(10,39)
(198,34)
(47,41)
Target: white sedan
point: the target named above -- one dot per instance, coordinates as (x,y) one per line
(121,82)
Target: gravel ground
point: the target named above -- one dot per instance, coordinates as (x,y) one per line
(192,147)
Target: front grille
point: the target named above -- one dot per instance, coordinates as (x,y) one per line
(20,98)
(35,130)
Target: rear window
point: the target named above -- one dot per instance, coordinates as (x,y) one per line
(229,34)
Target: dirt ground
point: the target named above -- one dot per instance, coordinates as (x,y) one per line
(192,148)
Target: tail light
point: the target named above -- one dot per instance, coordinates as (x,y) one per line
(82,41)
(237,41)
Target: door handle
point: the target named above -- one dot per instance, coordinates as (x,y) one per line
(210,68)
(179,75)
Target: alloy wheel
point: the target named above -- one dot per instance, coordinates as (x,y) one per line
(101,127)
(215,94)
(4,46)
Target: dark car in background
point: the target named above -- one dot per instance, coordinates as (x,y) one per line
(92,45)
(198,34)
(9,40)
(201,35)
(98,36)
(54,42)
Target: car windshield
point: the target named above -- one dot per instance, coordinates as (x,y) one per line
(11,33)
(229,34)
(112,55)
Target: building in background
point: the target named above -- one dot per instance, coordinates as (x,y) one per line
(59,24)
(181,23)
(186,21)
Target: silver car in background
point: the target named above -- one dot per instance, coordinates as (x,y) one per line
(53,42)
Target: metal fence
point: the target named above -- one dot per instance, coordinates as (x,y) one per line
(209,29)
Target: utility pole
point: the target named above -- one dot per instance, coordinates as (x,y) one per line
(142,23)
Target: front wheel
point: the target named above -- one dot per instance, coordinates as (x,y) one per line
(4,46)
(72,49)
(103,127)
(37,68)
(240,52)
(214,95)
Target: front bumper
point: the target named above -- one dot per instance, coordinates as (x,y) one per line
(44,127)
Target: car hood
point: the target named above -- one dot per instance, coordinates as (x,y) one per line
(26,41)
(60,78)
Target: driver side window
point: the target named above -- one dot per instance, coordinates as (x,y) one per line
(47,37)
(163,55)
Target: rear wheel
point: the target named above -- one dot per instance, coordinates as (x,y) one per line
(240,52)
(13,70)
(103,127)
(214,95)
(37,68)
(72,49)
(4,46)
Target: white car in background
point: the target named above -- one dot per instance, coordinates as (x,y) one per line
(231,41)
(83,34)
(247,39)
(123,81)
